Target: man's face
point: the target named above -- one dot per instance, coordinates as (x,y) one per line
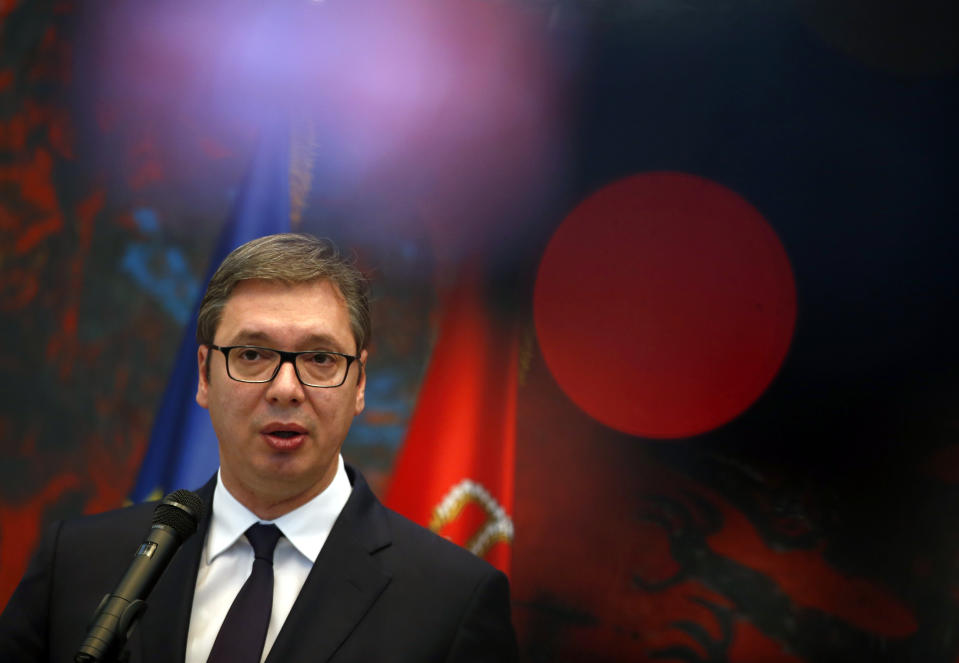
(279,440)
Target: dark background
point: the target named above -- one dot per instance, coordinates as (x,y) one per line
(814,522)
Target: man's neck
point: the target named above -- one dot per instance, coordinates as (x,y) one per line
(267,505)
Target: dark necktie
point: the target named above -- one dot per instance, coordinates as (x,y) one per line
(241,637)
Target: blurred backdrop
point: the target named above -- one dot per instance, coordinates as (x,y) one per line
(683,272)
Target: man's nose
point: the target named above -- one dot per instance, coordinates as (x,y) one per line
(286,386)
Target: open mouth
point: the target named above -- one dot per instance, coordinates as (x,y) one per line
(284,437)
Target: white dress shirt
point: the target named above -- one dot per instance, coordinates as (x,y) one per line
(227,559)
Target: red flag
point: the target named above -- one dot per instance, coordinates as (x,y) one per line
(455,470)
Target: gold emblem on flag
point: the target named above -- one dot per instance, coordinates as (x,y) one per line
(497,527)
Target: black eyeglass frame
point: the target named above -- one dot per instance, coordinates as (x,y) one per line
(285,356)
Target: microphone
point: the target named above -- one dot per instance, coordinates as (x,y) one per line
(174,521)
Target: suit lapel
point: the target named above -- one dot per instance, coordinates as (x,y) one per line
(345,582)
(161,635)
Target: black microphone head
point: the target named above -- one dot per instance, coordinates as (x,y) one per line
(180,510)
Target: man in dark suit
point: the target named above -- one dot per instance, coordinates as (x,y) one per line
(283,333)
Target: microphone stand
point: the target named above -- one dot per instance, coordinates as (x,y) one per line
(113,620)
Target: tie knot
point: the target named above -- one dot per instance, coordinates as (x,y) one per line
(263,538)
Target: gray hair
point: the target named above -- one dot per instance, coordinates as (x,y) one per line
(288,258)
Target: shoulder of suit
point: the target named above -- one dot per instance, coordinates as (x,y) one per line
(418,544)
(130,521)
(412,545)
(133,520)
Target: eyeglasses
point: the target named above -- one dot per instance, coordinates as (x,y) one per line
(251,363)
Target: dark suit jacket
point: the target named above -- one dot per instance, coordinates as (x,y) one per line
(382,589)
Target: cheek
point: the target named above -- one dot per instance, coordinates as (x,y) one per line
(323,403)
(230,405)
(331,405)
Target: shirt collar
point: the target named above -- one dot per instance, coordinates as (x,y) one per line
(306,527)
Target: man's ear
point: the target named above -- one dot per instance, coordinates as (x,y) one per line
(203,383)
(361,384)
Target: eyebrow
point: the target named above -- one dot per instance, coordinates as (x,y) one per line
(312,342)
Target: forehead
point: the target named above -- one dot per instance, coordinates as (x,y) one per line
(285,314)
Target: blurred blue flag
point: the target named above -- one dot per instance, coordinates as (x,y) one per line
(183,451)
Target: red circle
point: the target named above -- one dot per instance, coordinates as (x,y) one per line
(664,305)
